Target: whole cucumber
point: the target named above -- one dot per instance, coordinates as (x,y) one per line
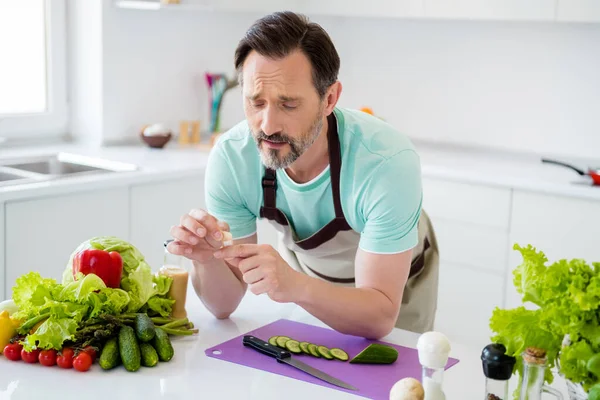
(144,327)
(162,344)
(110,358)
(129,349)
(149,356)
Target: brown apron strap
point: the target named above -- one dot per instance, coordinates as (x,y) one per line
(269,209)
(335,161)
(416,266)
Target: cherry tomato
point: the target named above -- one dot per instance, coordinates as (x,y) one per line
(65,358)
(47,357)
(30,356)
(13,351)
(82,362)
(91,351)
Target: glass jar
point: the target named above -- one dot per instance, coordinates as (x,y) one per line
(534,368)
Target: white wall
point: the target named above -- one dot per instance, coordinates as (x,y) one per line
(517,86)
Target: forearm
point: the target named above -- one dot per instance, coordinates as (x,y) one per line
(361,312)
(218,287)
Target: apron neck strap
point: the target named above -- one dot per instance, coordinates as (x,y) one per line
(335,162)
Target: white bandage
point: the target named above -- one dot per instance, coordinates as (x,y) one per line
(227,239)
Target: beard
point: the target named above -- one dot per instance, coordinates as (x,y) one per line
(273,158)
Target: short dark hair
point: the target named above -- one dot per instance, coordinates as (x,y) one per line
(277,35)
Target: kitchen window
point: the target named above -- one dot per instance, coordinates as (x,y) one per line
(33,83)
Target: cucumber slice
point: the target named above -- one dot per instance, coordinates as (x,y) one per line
(273,340)
(304,347)
(293,346)
(281,341)
(313,350)
(324,351)
(376,354)
(339,354)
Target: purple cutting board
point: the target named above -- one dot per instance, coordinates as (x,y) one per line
(372,381)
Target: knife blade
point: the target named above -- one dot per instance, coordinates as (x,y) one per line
(284,356)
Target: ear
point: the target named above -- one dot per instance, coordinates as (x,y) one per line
(332,96)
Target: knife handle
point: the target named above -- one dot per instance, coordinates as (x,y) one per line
(265,348)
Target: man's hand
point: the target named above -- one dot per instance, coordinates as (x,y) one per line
(264,271)
(197,236)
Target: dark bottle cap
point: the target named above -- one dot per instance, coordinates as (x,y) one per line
(496,364)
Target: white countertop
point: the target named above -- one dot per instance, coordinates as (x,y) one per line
(193,375)
(518,171)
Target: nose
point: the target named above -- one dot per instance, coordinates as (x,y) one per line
(269,123)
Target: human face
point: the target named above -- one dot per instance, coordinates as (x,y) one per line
(282,107)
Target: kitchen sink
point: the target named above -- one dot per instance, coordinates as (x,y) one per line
(55,166)
(8,177)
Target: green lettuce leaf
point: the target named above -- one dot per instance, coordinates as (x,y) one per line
(51,334)
(573,363)
(30,292)
(162,306)
(107,300)
(519,329)
(140,286)
(162,284)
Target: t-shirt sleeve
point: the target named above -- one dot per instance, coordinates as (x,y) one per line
(392,205)
(223,195)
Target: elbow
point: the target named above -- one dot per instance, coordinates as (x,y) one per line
(222,314)
(379,329)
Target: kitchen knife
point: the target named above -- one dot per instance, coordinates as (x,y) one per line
(284,356)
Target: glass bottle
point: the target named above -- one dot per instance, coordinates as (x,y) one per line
(174,267)
(534,368)
(498,368)
(434,349)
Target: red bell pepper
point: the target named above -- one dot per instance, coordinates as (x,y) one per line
(107,265)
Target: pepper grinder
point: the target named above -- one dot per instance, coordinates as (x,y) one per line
(434,349)
(498,368)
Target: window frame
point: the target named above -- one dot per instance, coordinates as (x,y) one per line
(55,120)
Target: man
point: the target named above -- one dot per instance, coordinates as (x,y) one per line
(342,188)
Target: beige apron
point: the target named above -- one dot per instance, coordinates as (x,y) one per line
(329,254)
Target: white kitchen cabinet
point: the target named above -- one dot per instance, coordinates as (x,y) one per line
(466,299)
(41,233)
(467,203)
(578,10)
(561,227)
(155,207)
(3,294)
(468,244)
(532,10)
(372,8)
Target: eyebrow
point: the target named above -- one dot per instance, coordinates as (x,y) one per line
(282,98)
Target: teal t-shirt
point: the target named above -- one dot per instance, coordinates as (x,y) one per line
(380,185)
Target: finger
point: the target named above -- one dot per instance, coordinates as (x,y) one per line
(235,262)
(238,250)
(183,235)
(247,264)
(179,248)
(224,226)
(259,287)
(192,225)
(209,222)
(253,276)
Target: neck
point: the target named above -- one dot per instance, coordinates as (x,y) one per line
(314,160)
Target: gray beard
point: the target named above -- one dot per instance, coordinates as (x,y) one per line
(272,159)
